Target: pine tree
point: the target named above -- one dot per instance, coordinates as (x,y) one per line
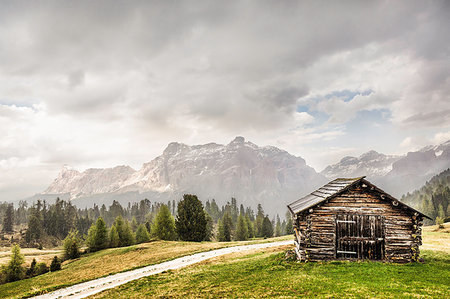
(225,227)
(55,265)
(72,244)
(278,227)
(8,219)
(32,270)
(259,221)
(267,228)
(164,225)
(114,240)
(289,225)
(191,220)
(134,224)
(241,228)
(142,234)
(250,229)
(97,236)
(123,227)
(14,271)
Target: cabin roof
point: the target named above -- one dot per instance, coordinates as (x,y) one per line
(334,188)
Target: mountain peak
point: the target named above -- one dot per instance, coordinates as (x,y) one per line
(238,139)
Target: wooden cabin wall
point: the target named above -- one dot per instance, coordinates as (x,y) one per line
(316,230)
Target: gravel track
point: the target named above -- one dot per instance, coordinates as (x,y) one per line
(95,286)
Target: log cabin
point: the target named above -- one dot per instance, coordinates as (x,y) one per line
(352,219)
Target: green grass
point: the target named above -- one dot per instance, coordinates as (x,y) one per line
(110,261)
(267,274)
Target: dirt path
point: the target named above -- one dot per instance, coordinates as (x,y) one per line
(95,286)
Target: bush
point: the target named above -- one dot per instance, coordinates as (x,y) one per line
(55,265)
(41,268)
(72,245)
(142,234)
(164,225)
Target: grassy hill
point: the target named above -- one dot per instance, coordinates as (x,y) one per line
(110,261)
(268,274)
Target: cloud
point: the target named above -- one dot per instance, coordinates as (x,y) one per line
(107,82)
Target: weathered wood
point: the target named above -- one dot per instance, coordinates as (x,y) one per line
(357,223)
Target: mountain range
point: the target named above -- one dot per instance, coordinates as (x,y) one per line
(243,170)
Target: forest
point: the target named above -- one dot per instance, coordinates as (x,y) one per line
(46,225)
(433,198)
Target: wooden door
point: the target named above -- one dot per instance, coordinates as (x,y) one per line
(359,236)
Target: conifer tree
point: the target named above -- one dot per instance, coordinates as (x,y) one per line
(114,240)
(278,227)
(259,221)
(8,219)
(250,229)
(14,270)
(267,228)
(289,225)
(241,229)
(72,244)
(55,264)
(164,225)
(191,220)
(97,236)
(225,227)
(142,234)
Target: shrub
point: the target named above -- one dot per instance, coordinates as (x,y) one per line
(72,245)
(55,265)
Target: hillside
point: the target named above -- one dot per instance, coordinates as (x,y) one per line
(433,198)
(268,274)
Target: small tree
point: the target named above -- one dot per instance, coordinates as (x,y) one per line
(164,225)
(8,219)
(114,240)
(267,228)
(289,226)
(191,220)
(32,270)
(126,236)
(41,268)
(14,270)
(225,227)
(72,244)
(55,265)
(97,238)
(142,234)
(250,229)
(241,229)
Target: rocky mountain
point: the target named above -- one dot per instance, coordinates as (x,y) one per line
(371,164)
(415,168)
(394,174)
(240,169)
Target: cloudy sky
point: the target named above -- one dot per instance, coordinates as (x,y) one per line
(99,84)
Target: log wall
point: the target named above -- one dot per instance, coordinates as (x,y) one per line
(315,229)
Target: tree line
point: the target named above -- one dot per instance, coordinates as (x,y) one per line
(48,224)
